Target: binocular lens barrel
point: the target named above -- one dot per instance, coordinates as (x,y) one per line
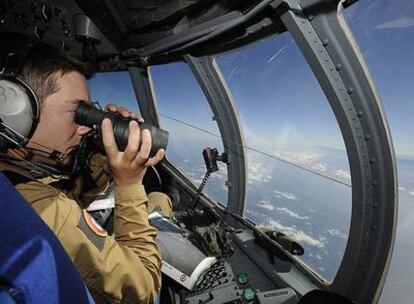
(87,115)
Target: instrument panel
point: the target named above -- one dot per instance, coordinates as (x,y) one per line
(240,279)
(222,285)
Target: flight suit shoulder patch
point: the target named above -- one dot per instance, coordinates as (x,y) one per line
(93,231)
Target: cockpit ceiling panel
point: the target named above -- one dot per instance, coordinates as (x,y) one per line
(144,13)
(136,23)
(157,30)
(150,25)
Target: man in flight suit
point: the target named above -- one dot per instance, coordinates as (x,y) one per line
(124,267)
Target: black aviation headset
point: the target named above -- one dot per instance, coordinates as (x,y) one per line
(19,105)
(19,115)
(20,109)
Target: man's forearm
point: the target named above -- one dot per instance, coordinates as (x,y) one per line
(131,229)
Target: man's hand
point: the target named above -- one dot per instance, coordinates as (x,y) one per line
(122,111)
(128,167)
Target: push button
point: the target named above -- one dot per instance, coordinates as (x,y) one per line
(248,294)
(243,278)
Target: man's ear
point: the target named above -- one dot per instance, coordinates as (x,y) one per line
(82,130)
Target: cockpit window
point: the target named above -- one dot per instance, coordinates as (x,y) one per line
(185,113)
(384,31)
(115,88)
(299,180)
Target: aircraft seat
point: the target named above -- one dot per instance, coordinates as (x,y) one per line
(34,267)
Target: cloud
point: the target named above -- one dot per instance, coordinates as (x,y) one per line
(221,174)
(260,167)
(299,235)
(316,162)
(320,167)
(266,205)
(402,22)
(401,188)
(342,173)
(258,172)
(286,195)
(336,232)
(292,214)
(195,175)
(307,159)
(411,193)
(196,181)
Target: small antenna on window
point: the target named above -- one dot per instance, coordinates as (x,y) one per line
(211,156)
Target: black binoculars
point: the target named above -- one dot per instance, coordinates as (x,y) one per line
(90,116)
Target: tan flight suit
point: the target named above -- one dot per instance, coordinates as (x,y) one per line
(123,268)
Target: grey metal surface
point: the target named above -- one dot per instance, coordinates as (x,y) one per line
(85,29)
(141,81)
(218,96)
(328,46)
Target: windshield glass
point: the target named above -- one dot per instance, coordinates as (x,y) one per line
(299,180)
(186,114)
(115,88)
(384,30)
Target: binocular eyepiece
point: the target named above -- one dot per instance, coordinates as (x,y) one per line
(88,115)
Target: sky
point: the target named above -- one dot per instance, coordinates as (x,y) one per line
(278,98)
(283,110)
(384,30)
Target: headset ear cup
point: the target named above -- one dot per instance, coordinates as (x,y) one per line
(19,111)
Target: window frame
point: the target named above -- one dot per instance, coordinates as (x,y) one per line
(332,53)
